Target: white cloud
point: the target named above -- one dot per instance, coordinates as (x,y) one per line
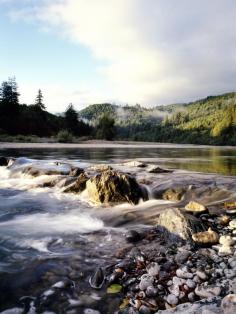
(155,50)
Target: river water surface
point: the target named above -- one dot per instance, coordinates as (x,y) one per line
(47,236)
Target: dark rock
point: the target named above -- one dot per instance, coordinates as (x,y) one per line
(3,161)
(77,186)
(75,172)
(133,236)
(156,169)
(179,226)
(97,280)
(35,172)
(114,187)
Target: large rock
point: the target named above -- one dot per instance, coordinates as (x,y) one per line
(77,186)
(178,225)
(35,171)
(195,208)
(114,187)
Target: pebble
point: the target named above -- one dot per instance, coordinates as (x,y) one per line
(226,240)
(182,257)
(151,291)
(172,299)
(207,292)
(190,283)
(201,274)
(232,224)
(230,273)
(191,296)
(144,310)
(146,281)
(153,269)
(182,273)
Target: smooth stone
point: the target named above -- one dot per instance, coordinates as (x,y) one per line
(132,236)
(151,291)
(201,274)
(97,280)
(208,291)
(206,237)
(144,310)
(15,310)
(195,207)
(172,299)
(230,273)
(232,224)
(226,240)
(223,220)
(225,250)
(182,256)
(153,269)
(178,281)
(191,296)
(190,283)
(228,304)
(184,274)
(145,282)
(134,163)
(174,289)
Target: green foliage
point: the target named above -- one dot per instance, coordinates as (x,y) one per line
(105,128)
(64,136)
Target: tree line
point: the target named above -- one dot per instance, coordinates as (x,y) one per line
(33,119)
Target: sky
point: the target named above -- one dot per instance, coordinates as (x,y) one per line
(149,52)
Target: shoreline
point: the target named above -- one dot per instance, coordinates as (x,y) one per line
(105,144)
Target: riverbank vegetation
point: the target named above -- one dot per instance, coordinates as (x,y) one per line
(208,121)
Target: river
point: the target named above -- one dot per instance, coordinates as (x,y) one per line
(48,237)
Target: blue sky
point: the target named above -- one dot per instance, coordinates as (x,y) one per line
(127,51)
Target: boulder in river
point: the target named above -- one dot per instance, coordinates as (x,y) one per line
(77,186)
(75,172)
(156,169)
(36,171)
(114,187)
(135,163)
(178,225)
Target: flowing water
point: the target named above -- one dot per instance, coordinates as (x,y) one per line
(47,236)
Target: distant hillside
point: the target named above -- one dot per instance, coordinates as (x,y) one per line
(211,120)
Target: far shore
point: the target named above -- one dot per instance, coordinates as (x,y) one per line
(103,144)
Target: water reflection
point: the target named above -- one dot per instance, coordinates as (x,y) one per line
(203,159)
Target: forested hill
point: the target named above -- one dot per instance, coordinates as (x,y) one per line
(211,120)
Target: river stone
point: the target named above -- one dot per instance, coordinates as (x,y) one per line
(228,304)
(153,269)
(178,225)
(207,291)
(113,187)
(77,186)
(172,299)
(211,305)
(35,171)
(206,237)
(232,224)
(195,207)
(174,194)
(3,161)
(100,168)
(226,240)
(156,169)
(75,172)
(146,281)
(134,163)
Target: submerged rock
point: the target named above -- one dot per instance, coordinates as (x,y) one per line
(135,163)
(35,171)
(206,237)
(195,208)
(114,187)
(173,194)
(77,186)
(100,168)
(179,226)
(156,169)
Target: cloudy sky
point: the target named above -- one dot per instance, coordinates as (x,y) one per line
(125,51)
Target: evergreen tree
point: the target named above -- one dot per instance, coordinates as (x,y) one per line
(105,127)
(71,119)
(9,105)
(39,100)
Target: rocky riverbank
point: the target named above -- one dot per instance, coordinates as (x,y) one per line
(179,257)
